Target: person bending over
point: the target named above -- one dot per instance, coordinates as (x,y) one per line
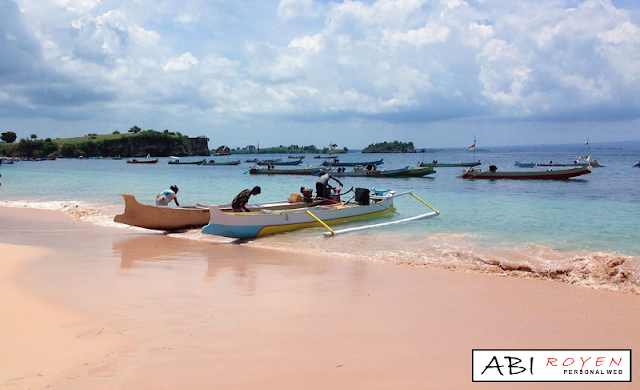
(239,203)
(165,197)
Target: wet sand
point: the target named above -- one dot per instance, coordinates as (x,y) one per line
(106,308)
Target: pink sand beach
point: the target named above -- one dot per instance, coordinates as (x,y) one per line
(89,307)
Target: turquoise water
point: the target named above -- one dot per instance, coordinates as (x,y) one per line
(576,230)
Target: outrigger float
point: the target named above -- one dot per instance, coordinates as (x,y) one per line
(263,222)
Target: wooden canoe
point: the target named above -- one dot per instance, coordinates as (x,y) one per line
(161,217)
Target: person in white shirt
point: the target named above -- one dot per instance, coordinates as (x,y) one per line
(165,197)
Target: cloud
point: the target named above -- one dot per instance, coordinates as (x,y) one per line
(302,61)
(291,9)
(184,62)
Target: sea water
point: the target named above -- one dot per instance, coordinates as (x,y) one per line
(582,231)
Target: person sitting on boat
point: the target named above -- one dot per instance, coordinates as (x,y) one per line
(492,168)
(165,197)
(323,189)
(239,203)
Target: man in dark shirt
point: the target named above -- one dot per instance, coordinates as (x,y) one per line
(240,201)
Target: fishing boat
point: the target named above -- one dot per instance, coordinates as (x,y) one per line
(334,162)
(284,171)
(173,160)
(435,163)
(579,162)
(549,174)
(369,171)
(136,161)
(279,162)
(213,162)
(637,165)
(268,161)
(161,217)
(260,223)
(171,218)
(525,165)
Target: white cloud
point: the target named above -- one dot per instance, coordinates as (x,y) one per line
(291,9)
(422,36)
(184,62)
(308,43)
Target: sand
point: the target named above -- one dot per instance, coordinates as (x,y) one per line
(88,307)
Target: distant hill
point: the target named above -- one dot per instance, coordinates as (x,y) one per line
(390,147)
(141,143)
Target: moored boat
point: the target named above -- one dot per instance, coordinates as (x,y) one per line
(136,161)
(213,162)
(284,171)
(176,161)
(334,162)
(371,172)
(549,174)
(259,223)
(279,162)
(435,163)
(576,163)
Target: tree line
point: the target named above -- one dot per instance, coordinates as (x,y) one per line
(291,149)
(390,147)
(138,142)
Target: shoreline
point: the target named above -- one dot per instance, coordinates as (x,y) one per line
(601,270)
(157,311)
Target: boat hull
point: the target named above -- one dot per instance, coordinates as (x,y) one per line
(265,163)
(458,164)
(336,163)
(561,174)
(402,172)
(161,217)
(303,171)
(235,162)
(185,163)
(257,224)
(142,161)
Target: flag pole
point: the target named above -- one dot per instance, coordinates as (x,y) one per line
(588,147)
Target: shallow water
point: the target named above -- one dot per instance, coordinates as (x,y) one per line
(581,231)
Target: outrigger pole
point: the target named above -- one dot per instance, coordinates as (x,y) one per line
(332,232)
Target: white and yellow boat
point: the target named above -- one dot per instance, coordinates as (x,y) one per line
(263,222)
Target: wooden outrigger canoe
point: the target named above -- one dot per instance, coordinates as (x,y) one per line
(180,218)
(263,222)
(161,217)
(550,174)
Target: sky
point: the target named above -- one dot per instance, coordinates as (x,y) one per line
(438,73)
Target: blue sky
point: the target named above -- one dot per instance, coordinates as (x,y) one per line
(434,72)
